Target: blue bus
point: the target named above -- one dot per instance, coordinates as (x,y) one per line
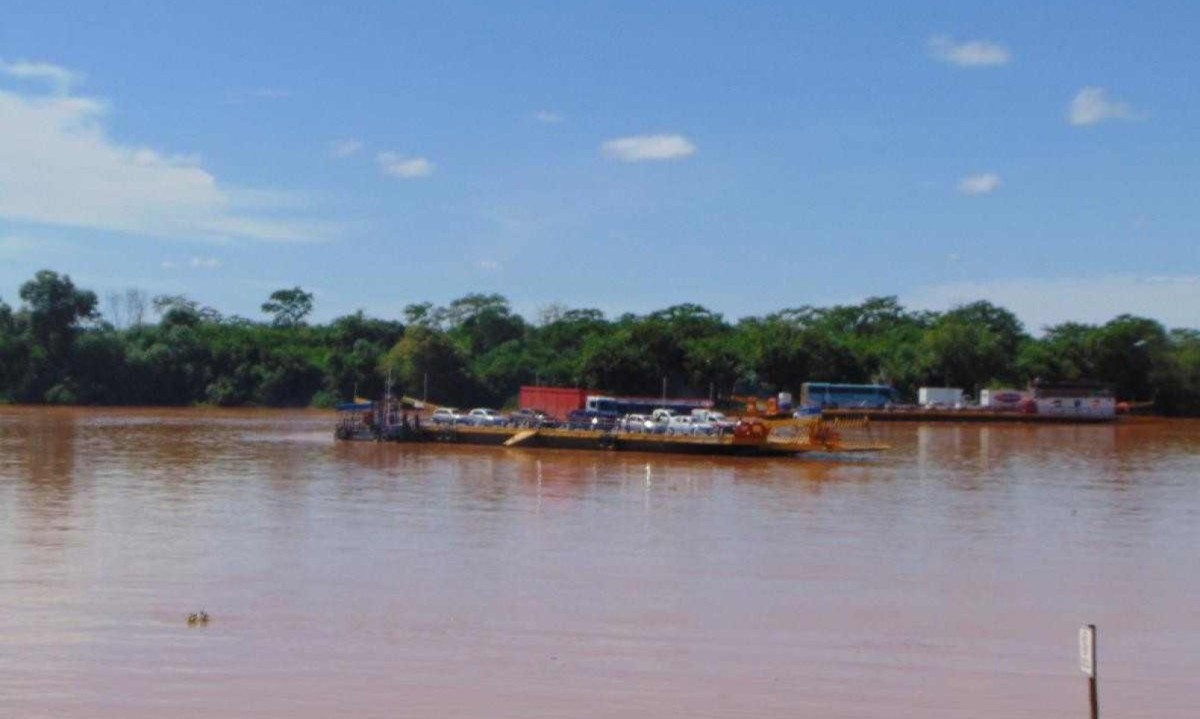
(618,406)
(854,396)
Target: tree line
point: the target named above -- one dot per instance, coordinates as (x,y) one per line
(56,346)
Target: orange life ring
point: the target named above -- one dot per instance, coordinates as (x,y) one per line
(758,429)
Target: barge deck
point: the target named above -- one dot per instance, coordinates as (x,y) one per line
(750,439)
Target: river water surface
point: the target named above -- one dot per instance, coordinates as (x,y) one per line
(947,578)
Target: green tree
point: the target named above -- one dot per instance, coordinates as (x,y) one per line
(97,368)
(614,362)
(423,314)
(502,370)
(357,344)
(1131,354)
(973,345)
(288,308)
(1063,353)
(883,338)
(1178,390)
(786,349)
(555,348)
(480,323)
(56,309)
(714,362)
(425,353)
(287,378)
(14,353)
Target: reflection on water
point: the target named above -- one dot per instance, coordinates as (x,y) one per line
(945,579)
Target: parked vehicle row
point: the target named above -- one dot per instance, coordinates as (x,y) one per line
(445,415)
(531,418)
(478,417)
(485,417)
(638,423)
(591,419)
(660,421)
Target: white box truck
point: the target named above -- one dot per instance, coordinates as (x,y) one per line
(1002,399)
(940,397)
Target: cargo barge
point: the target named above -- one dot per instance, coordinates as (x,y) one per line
(1078,402)
(921,414)
(365,422)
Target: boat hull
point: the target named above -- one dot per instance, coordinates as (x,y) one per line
(722,445)
(605,441)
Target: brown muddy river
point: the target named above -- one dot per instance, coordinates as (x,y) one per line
(947,578)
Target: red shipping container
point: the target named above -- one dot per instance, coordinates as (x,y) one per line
(554,401)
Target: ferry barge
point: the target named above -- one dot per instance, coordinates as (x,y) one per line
(387,422)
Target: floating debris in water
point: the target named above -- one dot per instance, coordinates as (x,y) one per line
(196,618)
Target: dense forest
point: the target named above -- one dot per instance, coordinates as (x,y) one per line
(62,345)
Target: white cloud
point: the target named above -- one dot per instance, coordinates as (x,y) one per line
(488,265)
(983,184)
(973,53)
(1041,302)
(59,167)
(548,117)
(59,78)
(1092,105)
(271,93)
(642,148)
(169,264)
(406,168)
(345,147)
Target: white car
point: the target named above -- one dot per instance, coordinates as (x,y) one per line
(662,420)
(685,425)
(484,417)
(662,415)
(637,423)
(715,421)
(445,415)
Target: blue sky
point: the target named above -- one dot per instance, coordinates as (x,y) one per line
(626,156)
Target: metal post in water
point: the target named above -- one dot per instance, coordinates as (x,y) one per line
(1087,663)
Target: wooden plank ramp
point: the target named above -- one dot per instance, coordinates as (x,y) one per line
(520,437)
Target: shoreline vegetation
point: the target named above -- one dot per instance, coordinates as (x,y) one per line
(61,345)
